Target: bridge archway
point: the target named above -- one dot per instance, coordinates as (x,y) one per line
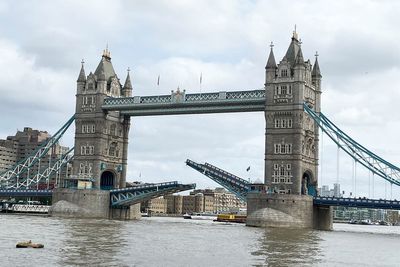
(307,186)
(107,180)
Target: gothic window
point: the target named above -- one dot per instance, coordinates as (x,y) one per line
(284,73)
(290,123)
(90,86)
(290,90)
(283,123)
(277,123)
(93,128)
(112,149)
(112,129)
(283,89)
(282,148)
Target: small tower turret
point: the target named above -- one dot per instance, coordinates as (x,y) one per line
(316,74)
(270,68)
(127,89)
(299,66)
(81,79)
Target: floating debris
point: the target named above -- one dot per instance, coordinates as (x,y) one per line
(29,244)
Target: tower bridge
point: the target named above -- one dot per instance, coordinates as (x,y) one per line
(291,102)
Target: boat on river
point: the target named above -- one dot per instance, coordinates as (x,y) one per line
(200,216)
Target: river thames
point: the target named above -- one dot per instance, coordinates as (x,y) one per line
(177,242)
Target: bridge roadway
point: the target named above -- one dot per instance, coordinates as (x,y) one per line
(358,203)
(119,197)
(181,103)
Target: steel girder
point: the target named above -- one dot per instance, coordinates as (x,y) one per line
(133,195)
(359,153)
(22,166)
(231,182)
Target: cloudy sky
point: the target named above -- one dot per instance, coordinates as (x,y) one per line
(43,42)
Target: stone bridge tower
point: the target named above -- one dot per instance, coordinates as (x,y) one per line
(291,146)
(101,138)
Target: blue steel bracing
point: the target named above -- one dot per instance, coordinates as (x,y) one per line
(22,166)
(132,195)
(359,153)
(42,174)
(231,182)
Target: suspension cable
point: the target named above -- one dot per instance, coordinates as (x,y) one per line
(337,164)
(322,154)
(355,178)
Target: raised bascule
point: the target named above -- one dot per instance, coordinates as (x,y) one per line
(291,102)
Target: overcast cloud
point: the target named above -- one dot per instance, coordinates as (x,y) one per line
(43,42)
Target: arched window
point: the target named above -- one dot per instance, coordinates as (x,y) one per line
(112,149)
(112,129)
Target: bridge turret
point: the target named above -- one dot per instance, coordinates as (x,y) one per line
(101,138)
(291,152)
(81,79)
(270,68)
(127,89)
(299,68)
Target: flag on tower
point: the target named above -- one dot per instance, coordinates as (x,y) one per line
(158,80)
(248,169)
(201,77)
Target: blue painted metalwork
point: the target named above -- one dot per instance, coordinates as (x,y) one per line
(11,175)
(231,182)
(359,153)
(25,193)
(41,175)
(181,103)
(132,195)
(358,203)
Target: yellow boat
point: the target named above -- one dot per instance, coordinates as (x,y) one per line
(231,218)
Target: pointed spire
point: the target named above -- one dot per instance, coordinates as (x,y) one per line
(105,69)
(82,76)
(128,84)
(315,71)
(299,57)
(271,64)
(293,49)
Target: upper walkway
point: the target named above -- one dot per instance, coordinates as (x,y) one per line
(181,103)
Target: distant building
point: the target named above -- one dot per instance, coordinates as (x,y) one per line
(22,145)
(156,205)
(326,192)
(204,200)
(359,214)
(174,204)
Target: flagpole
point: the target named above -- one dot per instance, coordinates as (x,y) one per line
(201,79)
(158,87)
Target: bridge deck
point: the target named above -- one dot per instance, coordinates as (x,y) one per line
(25,193)
(358,202)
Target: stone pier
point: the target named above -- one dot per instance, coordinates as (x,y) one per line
(90,203)
(284,210)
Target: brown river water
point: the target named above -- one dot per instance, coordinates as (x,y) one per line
(177,242)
